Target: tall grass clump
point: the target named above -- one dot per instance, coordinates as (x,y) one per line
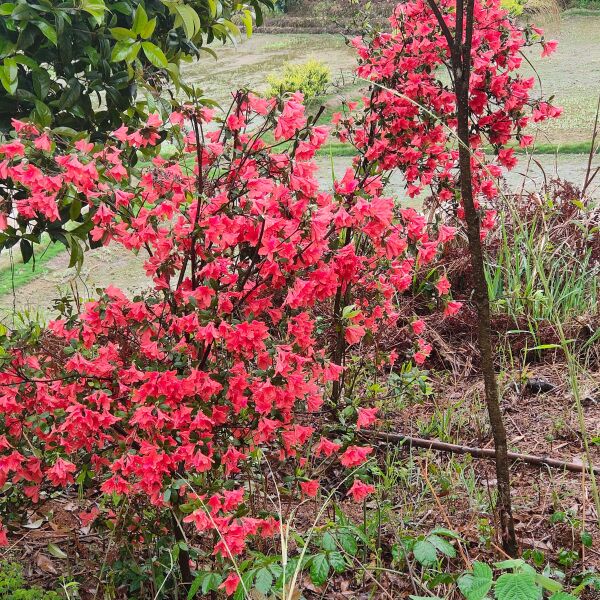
(543,262)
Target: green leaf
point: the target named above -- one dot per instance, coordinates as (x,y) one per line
(477,584)
(211,582)
(76,256)
(41,83)
(42,114)
(67,132)
(337,561)
(133,52)
(328,542)
(122,34)
(511,563)
(516,586)
(6,8)
(9,75)
(195,587)
(425,552)
(245,585)
(25,60)
(319,569)
(55,551)
(22,12)
(546,347)
(48,31)
(26,250)
(233,28)
(75,208)
(586,539)
(247,21)
(446,532)
(149,29)
(563,596)
(155,55)
(121,7)
(188,18)
(209,51)
(442,545)
(140,19)
(548,584)
(258,14)
(263,581)
(121,50)
(70,95)
(348,542)
(96,8)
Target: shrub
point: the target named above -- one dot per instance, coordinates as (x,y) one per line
(261,282)
(411,112)
(77,63)
(311,78)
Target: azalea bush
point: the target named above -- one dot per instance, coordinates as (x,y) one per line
(232,362)
(410,117)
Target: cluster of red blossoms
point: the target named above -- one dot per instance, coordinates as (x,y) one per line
(189,386)
(408,121)
(226,351)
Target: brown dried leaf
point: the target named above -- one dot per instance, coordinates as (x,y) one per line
(45,564)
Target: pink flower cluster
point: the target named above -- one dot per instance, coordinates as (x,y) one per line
(409,118)
(222,355)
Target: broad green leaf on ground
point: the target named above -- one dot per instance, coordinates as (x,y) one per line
(442,545)
(516,586)
(337,561)
(264,581)
(425,552)
(319,569)
(475,585)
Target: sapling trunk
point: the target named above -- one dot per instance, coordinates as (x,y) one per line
(462,72)
(460,56)
(183,557)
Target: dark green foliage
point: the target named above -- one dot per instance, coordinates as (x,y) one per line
(77,63)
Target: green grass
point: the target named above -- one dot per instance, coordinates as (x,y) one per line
(18,274)
(538,279)
(340,149)
(585,9)
(566,148)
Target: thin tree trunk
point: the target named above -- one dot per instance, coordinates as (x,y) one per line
(462,71)
(183,558)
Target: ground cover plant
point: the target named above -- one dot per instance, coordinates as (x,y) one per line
(232,429)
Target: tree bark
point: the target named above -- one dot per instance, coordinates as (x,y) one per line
(183,558)
(462,73)
(460,55)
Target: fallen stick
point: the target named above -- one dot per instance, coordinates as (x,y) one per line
(478,452)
